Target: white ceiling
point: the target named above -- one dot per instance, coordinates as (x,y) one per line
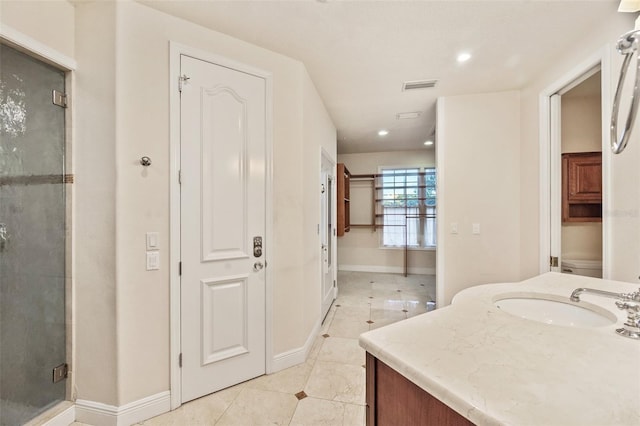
(359,53)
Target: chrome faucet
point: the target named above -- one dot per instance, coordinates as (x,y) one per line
(624,297)
(631,328)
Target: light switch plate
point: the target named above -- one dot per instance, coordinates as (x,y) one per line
(476,229)
(454,228)
(153,260)
(152,241)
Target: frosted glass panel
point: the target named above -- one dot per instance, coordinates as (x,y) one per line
(32,245)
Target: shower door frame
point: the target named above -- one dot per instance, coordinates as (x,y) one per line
(65,411)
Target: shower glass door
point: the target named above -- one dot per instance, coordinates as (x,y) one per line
(32,237)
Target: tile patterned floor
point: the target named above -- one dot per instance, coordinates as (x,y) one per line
(329,388)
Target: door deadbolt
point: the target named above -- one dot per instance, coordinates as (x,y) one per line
(257,246)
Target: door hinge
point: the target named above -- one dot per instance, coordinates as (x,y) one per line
(553,261)
(182,80)
(179,177)
(179,268)
(59,98)
(180,360)
(334,283)
(60,372)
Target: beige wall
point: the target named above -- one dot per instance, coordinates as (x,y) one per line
(478,140)
(359,249)
(318,133)
(51,23)
(624,214)
(143,35)
(94,238)
(581,131)
(581,123)
(582,241)
(121,106)
(624,189)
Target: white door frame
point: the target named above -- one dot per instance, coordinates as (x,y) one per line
(175,51)
(441,229)
(555,176)
(603,60)
(325,156)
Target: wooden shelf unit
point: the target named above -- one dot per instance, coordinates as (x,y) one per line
(344,208)
(378,214)
(582,187)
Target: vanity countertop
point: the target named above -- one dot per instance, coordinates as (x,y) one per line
(495,368)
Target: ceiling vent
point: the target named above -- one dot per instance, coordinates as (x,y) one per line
(408,115)
(419,84)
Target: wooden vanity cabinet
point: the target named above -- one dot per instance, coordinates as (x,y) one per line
(394,400)
(343,195)
(582,187)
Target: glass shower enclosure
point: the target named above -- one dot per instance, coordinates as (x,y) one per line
(32,237)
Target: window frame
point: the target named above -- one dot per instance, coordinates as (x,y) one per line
(421,169)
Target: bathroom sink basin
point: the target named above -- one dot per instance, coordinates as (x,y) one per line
(550,310)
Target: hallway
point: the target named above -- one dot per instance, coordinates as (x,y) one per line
(329,388)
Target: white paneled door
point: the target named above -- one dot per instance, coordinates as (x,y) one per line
(223,177)
(327,233)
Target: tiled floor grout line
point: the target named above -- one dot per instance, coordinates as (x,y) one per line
(227,409)
(327,325)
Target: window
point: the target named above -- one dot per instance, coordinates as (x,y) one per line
(408,203)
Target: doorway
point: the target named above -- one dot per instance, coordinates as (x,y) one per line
(327,233)
(576,141)
(33,244)
(221,144)
(594,72)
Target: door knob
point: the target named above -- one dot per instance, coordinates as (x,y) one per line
(257,266)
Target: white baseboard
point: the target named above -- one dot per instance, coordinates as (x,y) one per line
(98,414)
(386,269)
(295,356)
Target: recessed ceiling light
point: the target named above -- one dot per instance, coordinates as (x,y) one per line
(428,143)
(464,57)
(383,132)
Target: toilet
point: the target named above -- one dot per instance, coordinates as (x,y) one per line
(587,268)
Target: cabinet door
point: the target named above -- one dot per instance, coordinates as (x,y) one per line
(582,187)
(392,399)
(585,178)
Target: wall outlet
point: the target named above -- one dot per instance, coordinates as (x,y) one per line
(153,260)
